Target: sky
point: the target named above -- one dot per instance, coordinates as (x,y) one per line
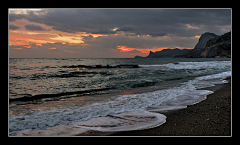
(109,33)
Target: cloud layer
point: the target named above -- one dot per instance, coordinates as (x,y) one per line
(101,32)
(34,27)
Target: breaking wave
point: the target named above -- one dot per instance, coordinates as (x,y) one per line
(125,112)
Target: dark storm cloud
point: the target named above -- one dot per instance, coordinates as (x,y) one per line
(104,32)
(13,17)
(13,27)
(34,27)
(125,29)
(155,22)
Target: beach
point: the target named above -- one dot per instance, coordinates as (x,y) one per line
(51,100)
(211,117)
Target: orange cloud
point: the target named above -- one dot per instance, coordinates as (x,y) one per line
(18,37)
(151,49)
(147,50)
(124,48)
(23,36)
(97,35)
(52,48)
(39,45)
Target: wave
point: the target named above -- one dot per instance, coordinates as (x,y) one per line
(63,74)
(28,98)
(193,65)
(102,66)
(123,107)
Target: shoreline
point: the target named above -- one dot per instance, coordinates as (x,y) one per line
(210,117)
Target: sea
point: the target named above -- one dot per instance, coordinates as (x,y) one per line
(106,94)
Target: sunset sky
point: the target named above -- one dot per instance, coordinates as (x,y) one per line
(109,33)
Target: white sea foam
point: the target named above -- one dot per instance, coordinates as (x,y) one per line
(199,65)
(193,65)
(161,100)
(135,120)
(155,65)
(181,101)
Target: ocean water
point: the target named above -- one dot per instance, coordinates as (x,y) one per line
(138,88)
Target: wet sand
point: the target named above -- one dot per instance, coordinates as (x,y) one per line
(211,117)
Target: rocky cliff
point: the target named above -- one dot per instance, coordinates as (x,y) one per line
(203,40)
(218,47)
(209,45)
(198,49)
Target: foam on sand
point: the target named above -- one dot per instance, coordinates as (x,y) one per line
(135,120)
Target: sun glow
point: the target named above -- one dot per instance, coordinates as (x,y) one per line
(124,48)
(52,48)
(23,36)
(146,50)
